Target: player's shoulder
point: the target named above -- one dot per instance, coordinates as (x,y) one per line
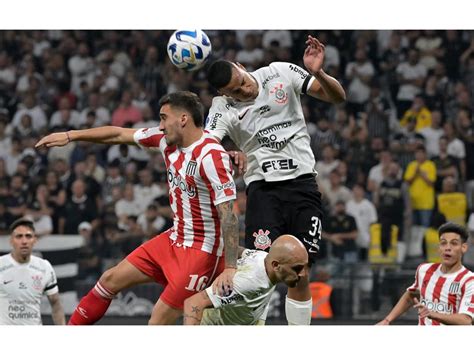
(252,254)
(40,262)
(423,267)
(222,102)
(5,259)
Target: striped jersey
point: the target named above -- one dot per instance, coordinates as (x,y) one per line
(444,293)
(199,179)
(22,287)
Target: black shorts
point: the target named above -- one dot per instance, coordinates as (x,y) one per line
(284,207)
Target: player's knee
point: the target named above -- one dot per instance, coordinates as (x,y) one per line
(109,280)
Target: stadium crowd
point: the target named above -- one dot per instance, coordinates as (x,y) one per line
(399,152)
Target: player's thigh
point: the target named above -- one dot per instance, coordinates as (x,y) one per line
(191,271)
(164,314)
(305,218)
(264,220)
(122,276)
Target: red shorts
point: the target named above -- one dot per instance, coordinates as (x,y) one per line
(183,271)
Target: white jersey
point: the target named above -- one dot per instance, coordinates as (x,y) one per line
(21,289)
(270,130)
(199,178)
(444,293)
(250,296)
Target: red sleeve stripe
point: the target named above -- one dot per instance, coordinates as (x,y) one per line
(427,278)
(215,214)
(179,201)
(437,293)
(221,170)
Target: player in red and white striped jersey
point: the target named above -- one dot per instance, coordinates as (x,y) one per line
(187,257)
(442,292)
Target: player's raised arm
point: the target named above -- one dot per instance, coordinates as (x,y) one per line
(105,135)
(230,230)
(325,87)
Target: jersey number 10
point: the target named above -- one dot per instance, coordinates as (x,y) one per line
(197,283)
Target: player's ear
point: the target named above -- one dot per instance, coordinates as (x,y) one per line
(464,247)
(184,119)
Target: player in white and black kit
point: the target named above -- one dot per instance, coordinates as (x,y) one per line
(261,112)
(257,274)
(24,279)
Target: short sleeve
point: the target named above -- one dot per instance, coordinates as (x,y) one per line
(216,170)
(218,119)
(300,79)
(150,138)
(51,286)
(467,300)
(416,284)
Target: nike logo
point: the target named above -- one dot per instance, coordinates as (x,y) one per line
(7,282)
(242,115)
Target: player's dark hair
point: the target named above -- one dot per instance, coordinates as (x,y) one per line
(451,227)
(187,101)
(220,73)
(22,222)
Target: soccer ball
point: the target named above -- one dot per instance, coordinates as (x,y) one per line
(189,50)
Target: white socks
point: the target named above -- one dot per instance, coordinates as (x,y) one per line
(298,312)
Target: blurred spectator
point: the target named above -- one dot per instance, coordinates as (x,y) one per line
(7,71)
(279,38)
(379,114)
(327,164)
(391,57)
(5,141)
(101,113)
(465,129)
(456,147)
(392,201)
(6,218)
(128,205)
(360,73)
(335,191)
(251,56)
(152,223)
(432,134)
(56,197)
(81,66)
(17,198)
(13,156)
(452,203)
(93,169)
(404,143)
(30,107)
(39,211)
(430,45)
(340,230)
(420,176)
(125,112)
(89,258)
(78,208)
(418,112)
(364,214)
(378,172)
(411,76)
(65,116)
(147,190)
(446,164)
(113,179)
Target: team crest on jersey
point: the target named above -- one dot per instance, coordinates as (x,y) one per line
(37,282)
(281,97)
(454,288)
(191,168)
(262,241)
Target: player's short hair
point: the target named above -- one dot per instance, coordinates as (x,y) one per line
(451,227)
(22,222)
(187,101)
(219,73)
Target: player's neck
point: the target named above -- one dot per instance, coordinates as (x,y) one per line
(191,137)
(449,269)
(21,259)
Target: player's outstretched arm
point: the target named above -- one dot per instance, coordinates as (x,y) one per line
(400,308)
(230,229)
(325,87)
(57,311)
(447,319)
(194,307)
(105,135)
